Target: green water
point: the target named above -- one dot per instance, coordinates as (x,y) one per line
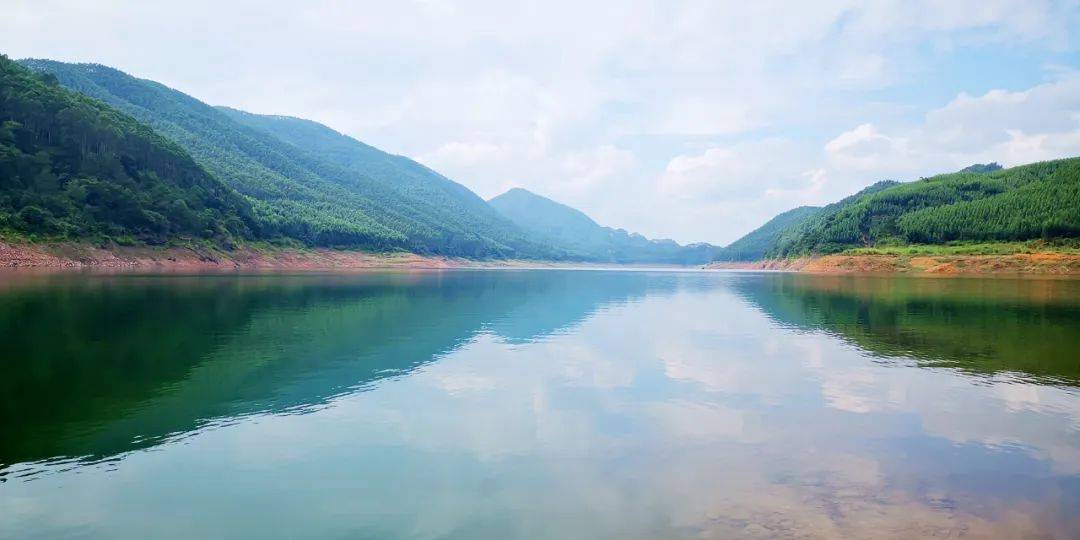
(538,404)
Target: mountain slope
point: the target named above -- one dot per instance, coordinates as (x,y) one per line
(295,192)
(980,203)
(565,225)
(795,239)
(71,166)
(451,203)
(584,239)
(1021,203)
(755,244)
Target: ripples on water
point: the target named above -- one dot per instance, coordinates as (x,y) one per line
(538,404)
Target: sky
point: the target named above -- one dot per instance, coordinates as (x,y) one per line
(691,120)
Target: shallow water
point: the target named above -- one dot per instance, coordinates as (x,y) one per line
(538,404)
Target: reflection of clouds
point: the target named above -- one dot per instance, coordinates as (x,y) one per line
(686,415)
(852,391)
(684,420)
(589,367)
(713,466)
(958,408)
(719,375)
(455,383)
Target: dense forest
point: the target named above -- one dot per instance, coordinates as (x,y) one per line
(981,203)
(348,196)
(73,167)
(584,239)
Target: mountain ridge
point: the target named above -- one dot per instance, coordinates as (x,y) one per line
(981,203)
(583,238)
(294,192)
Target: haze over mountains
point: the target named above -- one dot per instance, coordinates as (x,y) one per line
(306,182)
(585,239)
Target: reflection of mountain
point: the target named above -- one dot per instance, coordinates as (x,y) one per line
(98,367)
(978,325)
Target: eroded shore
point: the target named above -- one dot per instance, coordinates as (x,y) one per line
(81,255)
(1039,263)
(75,255)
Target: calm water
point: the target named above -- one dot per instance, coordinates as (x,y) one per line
(538,404)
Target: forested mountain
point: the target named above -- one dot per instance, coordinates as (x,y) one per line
(296,191)
(980,203)
(447,202)
(795,239)
(73,167)
(758,242)
(584,239)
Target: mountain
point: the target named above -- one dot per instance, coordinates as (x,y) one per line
(805,236)
(563,224)
(73,167)
(450,202)
(584,239)
(326,189)
(757,243)
(980,203)
(1020,203)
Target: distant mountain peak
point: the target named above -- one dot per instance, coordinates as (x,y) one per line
(582,237)
(982,168)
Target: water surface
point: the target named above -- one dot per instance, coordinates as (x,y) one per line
(538,404)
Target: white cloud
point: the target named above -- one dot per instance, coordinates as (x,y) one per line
(740,171)
(865,148)
(728,190)
(1004,120)
(595,171)
(1010,127)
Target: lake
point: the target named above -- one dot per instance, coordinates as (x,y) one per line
(538,404)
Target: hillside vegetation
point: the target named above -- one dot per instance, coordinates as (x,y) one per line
(323,191)
(73,167)
(446,202)
(584,239)
(983,203)
(758,242)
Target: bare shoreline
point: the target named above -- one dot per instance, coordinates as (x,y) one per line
(1042,263)
(84,256)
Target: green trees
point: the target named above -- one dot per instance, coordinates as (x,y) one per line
(305,181)
(1045,203)
(451,206)
(73,167)
(980,203)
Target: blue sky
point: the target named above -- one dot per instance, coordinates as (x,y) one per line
(694,120)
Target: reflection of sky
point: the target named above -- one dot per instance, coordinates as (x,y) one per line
(687,413)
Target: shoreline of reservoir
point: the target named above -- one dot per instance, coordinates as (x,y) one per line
(1042,263)
(82,255)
